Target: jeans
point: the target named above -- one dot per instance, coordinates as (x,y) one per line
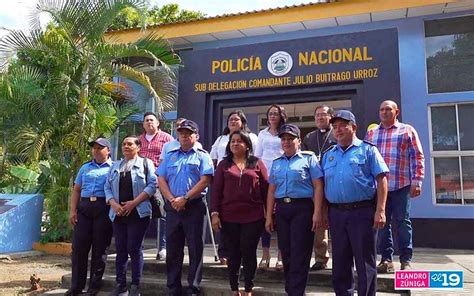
(129,241)
(161,241)
(397,211)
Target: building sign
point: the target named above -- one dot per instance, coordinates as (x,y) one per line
(368,59)
(318,60)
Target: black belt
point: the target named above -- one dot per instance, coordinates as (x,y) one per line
(354,205)
(93,198)
(290,200)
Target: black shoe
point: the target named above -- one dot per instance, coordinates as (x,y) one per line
(319,266)
(119,291)
(92,292)
(72,292)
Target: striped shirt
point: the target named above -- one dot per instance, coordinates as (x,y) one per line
(152,149)
(401,149)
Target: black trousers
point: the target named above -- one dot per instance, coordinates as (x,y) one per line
(242,240)
(295,240)
(92,230)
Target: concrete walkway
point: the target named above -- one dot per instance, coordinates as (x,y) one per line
(424,259)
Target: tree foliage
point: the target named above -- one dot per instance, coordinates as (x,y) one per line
(57,90)
(168,13)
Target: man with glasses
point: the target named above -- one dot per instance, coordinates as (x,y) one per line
(319,141)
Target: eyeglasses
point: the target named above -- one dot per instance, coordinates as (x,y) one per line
(273,114)
(319,115)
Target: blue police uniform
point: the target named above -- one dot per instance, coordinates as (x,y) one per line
(182,171)
(293,177)
(93,227)
(350,188)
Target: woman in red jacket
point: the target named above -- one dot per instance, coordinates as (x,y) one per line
(239,192)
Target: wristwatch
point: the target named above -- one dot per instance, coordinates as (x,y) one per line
(186,197)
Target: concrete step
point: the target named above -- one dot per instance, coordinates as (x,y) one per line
(215,271)
(156,286)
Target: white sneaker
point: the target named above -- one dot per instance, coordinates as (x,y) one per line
(162,254)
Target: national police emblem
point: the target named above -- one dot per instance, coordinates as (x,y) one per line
(280,63)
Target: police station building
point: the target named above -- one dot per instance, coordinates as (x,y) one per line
(349,54)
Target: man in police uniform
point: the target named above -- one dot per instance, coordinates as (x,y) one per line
(319,141)
(183,178)
(356,189)
(296,185)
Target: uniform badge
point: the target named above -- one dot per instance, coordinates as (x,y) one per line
(331,158)
(277,167)
(173,158)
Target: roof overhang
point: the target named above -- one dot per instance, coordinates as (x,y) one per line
(295,18)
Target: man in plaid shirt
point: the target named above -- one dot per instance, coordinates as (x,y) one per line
(401,149)
(151,146)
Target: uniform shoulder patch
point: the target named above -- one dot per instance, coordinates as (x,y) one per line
(370,143)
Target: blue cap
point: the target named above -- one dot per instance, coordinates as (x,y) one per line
(102,142)
(189,125)
(290,129)
(343,114)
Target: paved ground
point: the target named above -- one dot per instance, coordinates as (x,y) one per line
(425,259)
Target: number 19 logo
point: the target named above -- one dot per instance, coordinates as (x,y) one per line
(446,279)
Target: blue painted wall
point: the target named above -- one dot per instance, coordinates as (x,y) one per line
(414,95)
(20,226)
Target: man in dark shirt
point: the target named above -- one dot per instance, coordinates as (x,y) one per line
(319,141)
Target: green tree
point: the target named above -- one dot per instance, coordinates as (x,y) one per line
(168,13)
(57,90)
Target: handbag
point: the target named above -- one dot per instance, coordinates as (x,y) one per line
(156,200)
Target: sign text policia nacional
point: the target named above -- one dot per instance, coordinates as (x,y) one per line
(362,65)
(280,63)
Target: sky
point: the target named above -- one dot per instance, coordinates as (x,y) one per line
(14,13)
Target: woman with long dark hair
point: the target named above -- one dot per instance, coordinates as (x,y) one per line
(268,148)
(236,121)
(238,202)
(130,183)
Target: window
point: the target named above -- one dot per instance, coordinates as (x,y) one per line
(452,153)
(450,54)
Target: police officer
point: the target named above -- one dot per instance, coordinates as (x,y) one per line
(89,216)
(356,189)
(183,178)
(296,186)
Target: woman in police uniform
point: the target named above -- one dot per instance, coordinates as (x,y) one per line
(89,217)
(130,183)
(295,186)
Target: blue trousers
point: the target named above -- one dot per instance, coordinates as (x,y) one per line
(161,241)
(129,241)
(186,225)
(397,211)
(353,239)
(295,241)
(92,230)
